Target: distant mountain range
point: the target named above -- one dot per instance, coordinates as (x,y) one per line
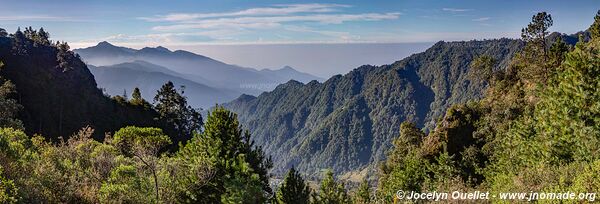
(58,102)
(209,81)
(122,78)
(348,122)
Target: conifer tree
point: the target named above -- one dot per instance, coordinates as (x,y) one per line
(293,190)
(3,32)
(535,53)
(330,191)
(63,56)
(136,97)
(363,193)
(172,107)
(240,169)
(43,37)
(595,28)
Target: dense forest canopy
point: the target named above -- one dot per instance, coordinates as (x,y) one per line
(348,122)
(536,128)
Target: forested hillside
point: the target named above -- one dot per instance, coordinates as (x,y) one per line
(349,121)
(521,116)
(63,141)
(536,130)
(58,93)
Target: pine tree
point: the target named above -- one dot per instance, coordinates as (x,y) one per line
(172,107)
(595,28)
(64,56)
(557,53)
(363,194)
(535,53)
(240,169)
(43,37)
(136,98)
(30,33)
(293,190)
(330,191)
(3,32)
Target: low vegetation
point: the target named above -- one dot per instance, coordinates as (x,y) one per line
(536,129)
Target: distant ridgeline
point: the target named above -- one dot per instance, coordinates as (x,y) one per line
(59,94)
(348,122)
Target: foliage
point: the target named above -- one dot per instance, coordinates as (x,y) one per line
(293,190)
(535,52)
(331,191)
(143,144)
(8,190)
(363,193)
(172,107)
(70,98)
(3,32)
(482,68)
(136,98)
(537,128)
(126,168)
(240,169)
(595,27)
(348,122)
(8,106)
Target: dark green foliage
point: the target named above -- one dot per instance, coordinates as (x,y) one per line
(136,97)
(536,52)
(3,32)
(173,108)
(8,106)
(482,68)
(527,134)
(240,168)
(595,27)
(293,190)
(8,190)
(143,144)
(331,191)
(405,166)
(348,122)
(363,193)
(557,53)
(58,93)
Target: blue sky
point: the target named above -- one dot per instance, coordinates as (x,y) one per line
(141,23)
(244,32)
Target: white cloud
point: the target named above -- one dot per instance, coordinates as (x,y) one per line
(456,9)
(337,35)
(283,9)
(255,24)
(482,19)
(275,21)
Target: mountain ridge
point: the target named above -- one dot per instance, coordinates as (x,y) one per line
(347,122)
(116,79)
(212,72)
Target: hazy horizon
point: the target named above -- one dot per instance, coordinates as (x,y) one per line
(318,37)
(326,59)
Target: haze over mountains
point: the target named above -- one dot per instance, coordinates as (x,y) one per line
(209,81)
(348,122)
